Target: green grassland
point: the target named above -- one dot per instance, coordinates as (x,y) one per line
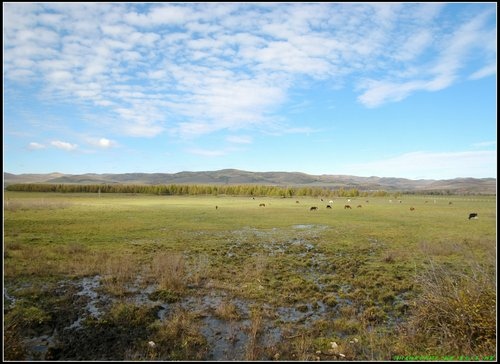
(206,277)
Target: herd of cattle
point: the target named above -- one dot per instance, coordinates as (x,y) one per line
(472,215)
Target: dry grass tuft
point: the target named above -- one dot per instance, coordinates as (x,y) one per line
(455,312)
(227,311)
(168,270)
(253,349)
(179,337)
(118,271)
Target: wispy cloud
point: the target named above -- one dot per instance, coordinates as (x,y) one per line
(430,165)
(486,71)
(456,49)
(36,146)
(63,145)
(239,139)
(101,142)
(485,144)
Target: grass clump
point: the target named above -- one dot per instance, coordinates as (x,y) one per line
(455,313)
(168,270)
(164,295)
(227,311)
(179,337)
(27,317)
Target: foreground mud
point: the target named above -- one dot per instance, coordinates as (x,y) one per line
(289,296)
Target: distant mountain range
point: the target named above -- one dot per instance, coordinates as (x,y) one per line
(234,176)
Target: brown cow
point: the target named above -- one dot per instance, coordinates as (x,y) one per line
(412,208)
(262,205)
(347,207)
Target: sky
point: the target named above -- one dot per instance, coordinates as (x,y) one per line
(402,90)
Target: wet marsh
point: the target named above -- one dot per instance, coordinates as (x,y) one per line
(138,277)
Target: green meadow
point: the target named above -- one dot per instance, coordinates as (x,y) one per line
(147,277)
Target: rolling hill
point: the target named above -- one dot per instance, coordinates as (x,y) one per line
(234,176)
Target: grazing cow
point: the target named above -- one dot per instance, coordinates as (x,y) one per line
(328,207)
(367,201)
(331,201)
(297,201)
(473,215)
(359,206)
(216,207)
(321,199)
(347,207)
(262,205)
(412,208)
(348,200)
(450,203)
(313,208)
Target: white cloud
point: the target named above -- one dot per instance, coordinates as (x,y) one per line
(35,146)
(239,139)
(430,165)
(489,143)
(158,15)
(486,71)
(455,49)
(64,145)
(102,142)
(414,46)
(231,66)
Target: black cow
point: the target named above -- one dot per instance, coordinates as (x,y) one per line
(313,208)
(328,207)
(472,215)
(262,205)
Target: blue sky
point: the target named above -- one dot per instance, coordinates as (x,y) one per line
(391,90)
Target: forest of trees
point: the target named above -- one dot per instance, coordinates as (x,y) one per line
(173,189)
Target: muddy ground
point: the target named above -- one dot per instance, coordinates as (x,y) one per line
(80,320)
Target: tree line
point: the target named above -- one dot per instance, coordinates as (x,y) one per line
(230,190)
(182,189)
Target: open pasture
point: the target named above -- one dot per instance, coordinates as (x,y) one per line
(219,277)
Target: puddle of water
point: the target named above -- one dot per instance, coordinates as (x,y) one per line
(39,346)
(8,298)
(226,340)
(88,289)
(302,314)
(302,226)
